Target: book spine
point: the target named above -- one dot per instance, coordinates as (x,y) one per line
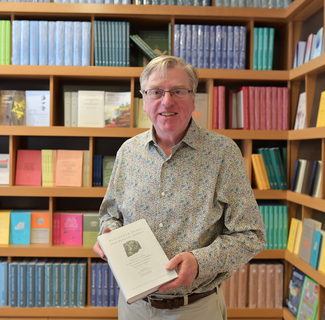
(286,109)
(51,43)
(25,41)
(81,286)
(270,285)
(119,25)
(251,93)
(280,109)
(59,43)
(93,298)
(253,280)
(215,108)
(260,49)
(7,42)
(236,47)
(257,108)
(271,49)
(261,298)
(221,107)
(16,42)
(105,285)
(123,39)
(200,47)
(263,107)
(4,284)
(12,293)
(242,48)
(39,285)
(96,43)
(230,47)
(274,108)
(177,36)
(265,48)
(245,102)
(77,43)
(242,286)
(128,43)
(73,279)
(43,43)
(266,223)
(218,48)
(21,285)
(233,299)
(206,46)
(271,226)
(99,281)
(268,108)
(68,43)
(34,42)
(285,227)
(74,109)
(48,285)
(56,285)
(182,42)
(212,47)
(278,290)
(188,43)
(194,45)
(276,227)
(65,285)
(111,289)
(224,47)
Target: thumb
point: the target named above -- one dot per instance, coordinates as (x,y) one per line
(174,262)
(106,230)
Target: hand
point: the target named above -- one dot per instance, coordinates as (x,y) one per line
(98,249)
(187,270)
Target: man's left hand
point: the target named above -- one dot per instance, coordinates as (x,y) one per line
(187,270)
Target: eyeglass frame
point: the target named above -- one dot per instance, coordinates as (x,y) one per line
(164,92)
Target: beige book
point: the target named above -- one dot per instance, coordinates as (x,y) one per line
(270,285)
(233,296)
(143,120)
(252,291)
(85,169)
(242,286)
(226,291)
(278,302)
(54,157)
(261,288)
(200,113)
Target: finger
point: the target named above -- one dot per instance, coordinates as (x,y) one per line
(174,262)
(107,230)
(97,249)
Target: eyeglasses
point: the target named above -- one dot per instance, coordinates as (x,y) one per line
(179,93)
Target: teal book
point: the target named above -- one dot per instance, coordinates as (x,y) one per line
(113,44)
(81,285)
(30,298)
(281,168)
(271,227)
(120,54)
(65,283)
(275,226)
(316,249)
(260,49)
(105,42)
(272,172)
(96,43)
(123,39)
(265,48)
(280,227)
(285,226)
(276,168)
(127,39)
(40,283)
(110,52)
(267,166)
(117,44)
(73,281)
(57,282)
(284,159)
(48,283)
(22,283)
(13,283)
(266,223)
(3,282)
(255,49)
(271,49)
(100,43)
(20,227)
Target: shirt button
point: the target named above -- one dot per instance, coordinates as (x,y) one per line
(161,225)
(163,193)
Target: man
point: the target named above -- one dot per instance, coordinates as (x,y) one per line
(191,186)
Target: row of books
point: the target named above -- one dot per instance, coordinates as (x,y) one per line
(211,47)
(102,170)
(258,284)
(204,3)
(259,108)
(25,1)
(303,296)
(112,43)
(307,239)
(53,43)
(97,109)
(275,218)
(269,168)
(263,48)
(310,49)
(307,177)
(104,287)
(30,108)
(41,282)
(5,42)
(269,4)
(94,1)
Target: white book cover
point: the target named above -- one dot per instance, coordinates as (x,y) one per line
(137,260)
(91,109)
(4,169)
(38,108)
(300,122)
(200,113)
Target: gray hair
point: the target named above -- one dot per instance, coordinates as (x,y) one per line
(160,66)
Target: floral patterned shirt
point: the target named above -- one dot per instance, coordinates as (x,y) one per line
(197,200)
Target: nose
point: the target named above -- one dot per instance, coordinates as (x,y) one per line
(167,98)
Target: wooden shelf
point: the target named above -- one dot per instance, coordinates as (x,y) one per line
(254,134)
(241,313)
(305,200)
(270,194)
(307,134)
(272,254)
(287,315)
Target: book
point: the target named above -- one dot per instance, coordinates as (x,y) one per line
(253,285)
(47,168)
(20,227)
(143,120)
(278,289)
(48,283)
(308,48)
(38,108)
(316,188)
(70,228)
(22,283)
(12,107)
(73,282)
(64,274)
(126,245)
(57,282)
(321,111)
(316,247)
(40,224)
(318,43)
(233,297)
(200,114)
(90,229)
(30,299)
(292,234)
(299,178)
(4,226)
(308,300)
(300,120)
(29,168)
(13,283)
(295,290)
(4,282)
(69,168)
(81,285)
(108,165)
(261,285)
(117,109)
(40,283)
(298,238)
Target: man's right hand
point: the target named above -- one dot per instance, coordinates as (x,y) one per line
(97,247)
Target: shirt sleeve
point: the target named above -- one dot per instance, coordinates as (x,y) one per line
(242,233)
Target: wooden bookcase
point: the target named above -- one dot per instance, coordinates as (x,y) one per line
(288,24)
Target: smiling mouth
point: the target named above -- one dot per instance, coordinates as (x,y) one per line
(167,114)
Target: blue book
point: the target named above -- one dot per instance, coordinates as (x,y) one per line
(111,289)
(194,45)
(312,179)
(93,284)
(224,31)
(34,42)
(59,43)
(85,44)
(73,282)
(30,296)
(242,48)
(230,47)
(20,227)
(99,283)
(105,285)
(218,61)
(206,46)
(24,43)
(295,175)
(127,37)
(65,283)
(200,47)
(81,285)
(16,42)
(40,283)
(51,43)
(3,282)
(48,283)
(22,283)
(236,47)
(177,34)
(189,43)
(182,42)
(43,43)
(316,249)
(57,282)
(255,49)
(13,284)
(77,40)
(68,43)
(212,46)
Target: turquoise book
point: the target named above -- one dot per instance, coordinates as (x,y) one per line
(275,226)
(285,226)
(271,227)
(266,223)
(3,282)
(265,48)
(39,283)
(12,292)
(57,282)
(316,249)
(65,283)
(255,49)
(280,226)
(22,283)
(267,166)
(48,283)
(271,49)
(73,281)
(20,227)
(30,297)
(260,49)
(81,285)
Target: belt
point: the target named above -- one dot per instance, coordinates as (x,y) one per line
(177,302)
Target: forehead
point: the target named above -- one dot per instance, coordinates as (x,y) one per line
(175,77)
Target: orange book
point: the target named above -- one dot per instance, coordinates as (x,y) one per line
(242,286)
(40,226)
(226,291)
(29,168)
(261,291)
(69,165)
(264,173)
(257,173)
(233,295)
(278,303)
(253,279)
(270,286)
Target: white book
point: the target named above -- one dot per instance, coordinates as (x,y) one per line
(74,109)
(300,122)
(4,168)
(38,108)
(67,109)
(91,109)
(200,113)
(136,259)
(300,175)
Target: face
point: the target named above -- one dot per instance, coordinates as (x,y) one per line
(169,116)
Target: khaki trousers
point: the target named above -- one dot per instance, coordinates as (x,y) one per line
(212,307)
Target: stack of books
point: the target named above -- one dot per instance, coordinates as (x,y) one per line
(263,48)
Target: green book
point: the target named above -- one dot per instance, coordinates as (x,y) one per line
(104,38)
(271,222)
(2,41)
(108,164)
(281,168)
(271,49)
(280,227)
(8,42)
(141,47)
(265,48)
(120,55)
(275,226)
(99,42)
(267,166)
(266,224)
(169,39)
(96,43)
(127,40)
(150,51)
(90,229)
(113,44)
(260,49)
(117,39)
(110,46)
(285,226)
(264,217)
(284,160)
(255,49)
(276,168)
